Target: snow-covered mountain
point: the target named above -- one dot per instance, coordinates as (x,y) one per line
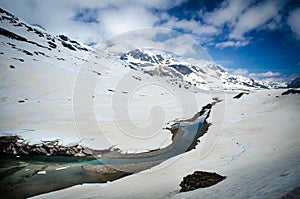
(14,28)
(171,66)
(295,83)
(53,87)
(176,70)
(60,79)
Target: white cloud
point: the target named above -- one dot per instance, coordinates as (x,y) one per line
(229,11)
(158,4)
(263,76)
(231,43)
(275,23)
(116,21)
(266,75)
(241,17)
(241,71)
(294,22)
(191,26)
(114,16)
(255,17)
(205,29)
(270,74)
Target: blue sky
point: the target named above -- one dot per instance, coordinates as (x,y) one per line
(255,38)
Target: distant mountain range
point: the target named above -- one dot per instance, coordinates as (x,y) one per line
(169,65)
(35,41)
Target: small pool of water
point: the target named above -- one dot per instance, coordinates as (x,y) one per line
(180,147)
(28,176)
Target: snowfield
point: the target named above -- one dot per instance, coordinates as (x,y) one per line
(258,151)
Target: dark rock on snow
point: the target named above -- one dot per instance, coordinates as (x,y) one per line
(200,179)
(238,96)
(291,91)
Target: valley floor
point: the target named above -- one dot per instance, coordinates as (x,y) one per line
(256,144)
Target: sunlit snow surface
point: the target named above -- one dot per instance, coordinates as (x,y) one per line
(259,155)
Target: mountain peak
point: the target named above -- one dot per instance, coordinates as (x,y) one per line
(155,62)
(162,63)
(14,28)
(295,83)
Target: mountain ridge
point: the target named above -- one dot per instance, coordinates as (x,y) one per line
(161,64)
(152,62)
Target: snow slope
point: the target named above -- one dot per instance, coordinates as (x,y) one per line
(258,151)
(54,88)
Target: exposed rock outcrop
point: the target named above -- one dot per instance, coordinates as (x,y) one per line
(291,91)
(15,145)
(200,179)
